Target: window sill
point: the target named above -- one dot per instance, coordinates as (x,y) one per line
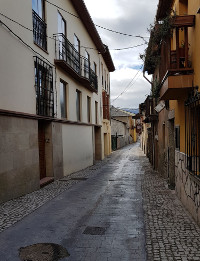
(41,48)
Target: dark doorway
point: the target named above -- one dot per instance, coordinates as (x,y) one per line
(41,143)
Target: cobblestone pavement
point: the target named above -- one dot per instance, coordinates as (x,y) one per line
(110,199)
(16,209)
(171,233)
(97,219)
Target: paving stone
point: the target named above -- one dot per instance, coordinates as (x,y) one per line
(170,230)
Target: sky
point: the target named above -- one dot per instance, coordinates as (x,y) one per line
(133,18)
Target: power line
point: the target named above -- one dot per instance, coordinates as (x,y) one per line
(21,40)
(130,84)
(52,38)
(110,30)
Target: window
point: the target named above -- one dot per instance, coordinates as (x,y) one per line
(96,112)
(44,88)
(192,133)
(105,78)
(95,68)
(61,37)
(38,7)
(39,26)
(107,83)
(102,73)
(87,65)
(61,24)
(78,105)
(76,54)
(76,43)
(88,109)
(177,137)
(63,99)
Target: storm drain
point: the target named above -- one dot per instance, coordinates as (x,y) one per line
(43,252)
(95,231)
(78,178)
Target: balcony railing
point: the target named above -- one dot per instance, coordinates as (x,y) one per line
(39,31)
(192,133)
(177,60)
(69,59)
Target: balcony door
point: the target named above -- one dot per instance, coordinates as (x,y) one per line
(77,54)
(62,37)
(87,65)
(38,7)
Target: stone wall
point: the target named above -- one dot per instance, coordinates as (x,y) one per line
(19,157)
(187,186)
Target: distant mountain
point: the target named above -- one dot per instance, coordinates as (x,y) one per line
(131,110)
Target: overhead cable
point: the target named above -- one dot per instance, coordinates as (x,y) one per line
(52,38)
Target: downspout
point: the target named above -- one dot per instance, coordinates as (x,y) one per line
(146,78)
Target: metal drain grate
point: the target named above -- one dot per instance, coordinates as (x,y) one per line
(95,231)
(78,178)
(43,251)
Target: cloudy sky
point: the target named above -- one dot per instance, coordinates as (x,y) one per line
(133,18)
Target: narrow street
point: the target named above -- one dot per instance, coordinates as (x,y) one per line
(97,215)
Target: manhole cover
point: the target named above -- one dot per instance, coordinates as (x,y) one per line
(43,252)
(78,178)
(95,231)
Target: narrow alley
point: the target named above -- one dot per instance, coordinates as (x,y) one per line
(118,209)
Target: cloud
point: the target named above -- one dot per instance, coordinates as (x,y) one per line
(134,91)
(130,17)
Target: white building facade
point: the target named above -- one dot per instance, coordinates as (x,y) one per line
(53,66)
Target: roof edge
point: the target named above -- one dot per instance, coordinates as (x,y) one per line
(85,17)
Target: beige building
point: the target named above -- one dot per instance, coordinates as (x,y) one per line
(53,69)
(122,125)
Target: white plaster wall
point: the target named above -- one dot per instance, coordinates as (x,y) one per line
(17,68)
(77,147)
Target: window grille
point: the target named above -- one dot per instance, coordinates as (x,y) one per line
(39,31)
(44,88)
(192,133)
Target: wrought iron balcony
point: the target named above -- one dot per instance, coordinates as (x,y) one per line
(70,60)
(39,31)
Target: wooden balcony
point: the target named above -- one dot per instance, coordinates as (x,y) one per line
(176,84)
(176,73)
(184,21)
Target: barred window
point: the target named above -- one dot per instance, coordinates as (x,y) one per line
(39,25)
(192,132)
(63,99)
(44,88)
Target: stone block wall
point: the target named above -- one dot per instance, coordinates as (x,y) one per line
(187,186)
(19,157)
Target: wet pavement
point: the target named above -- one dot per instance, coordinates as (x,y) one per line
(118,209)
(98,218)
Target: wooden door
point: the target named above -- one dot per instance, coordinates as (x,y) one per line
(41,141)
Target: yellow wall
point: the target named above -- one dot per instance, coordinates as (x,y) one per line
(194,54)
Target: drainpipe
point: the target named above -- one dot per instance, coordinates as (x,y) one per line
(146,78)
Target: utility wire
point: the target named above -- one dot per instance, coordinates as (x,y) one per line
(21,40)
(130,84)
(110,30)
(86,47)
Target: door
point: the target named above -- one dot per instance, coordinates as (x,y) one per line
(41,143)
(62,37)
